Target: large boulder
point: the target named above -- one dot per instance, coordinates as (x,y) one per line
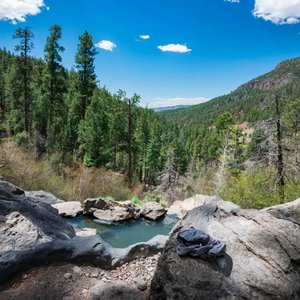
(111,211)
(43,197)
(69,209)
(180,208)
(8,190)
(262,259)
(22,215)
(153,211)
(18,232)
(288,211)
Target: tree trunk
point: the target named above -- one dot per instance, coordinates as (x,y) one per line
(2,106)
(26,100)
(280,162)
(129,144)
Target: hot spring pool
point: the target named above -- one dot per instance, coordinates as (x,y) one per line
(127,233)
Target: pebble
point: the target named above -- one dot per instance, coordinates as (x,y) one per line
(67,276)
(77,270)
(85,292)
(94,274)
(140,283)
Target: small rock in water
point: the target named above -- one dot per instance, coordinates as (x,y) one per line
(68,276)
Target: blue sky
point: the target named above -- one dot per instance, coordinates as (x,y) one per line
(223,43)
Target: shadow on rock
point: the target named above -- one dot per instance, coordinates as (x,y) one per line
(223,265)
(116,291)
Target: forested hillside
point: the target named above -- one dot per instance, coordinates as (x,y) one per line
(66,115)
(250,102)
(247,142)
(242,146)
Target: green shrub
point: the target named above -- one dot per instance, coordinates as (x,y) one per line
(153,197)
(136,200)
(73,183)
(163,203)
(22,138)
(257,188)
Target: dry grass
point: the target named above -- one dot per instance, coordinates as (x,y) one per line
(19,166)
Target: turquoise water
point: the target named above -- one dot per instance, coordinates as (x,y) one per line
(127,233)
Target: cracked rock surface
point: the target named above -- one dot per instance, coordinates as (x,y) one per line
(111,211)
(262,259)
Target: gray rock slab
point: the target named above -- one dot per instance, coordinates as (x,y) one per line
(69,209)
(262,259)
(43,196)
(153,211)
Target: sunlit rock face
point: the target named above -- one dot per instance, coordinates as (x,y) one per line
(69,209)
(262,259)
(111,211)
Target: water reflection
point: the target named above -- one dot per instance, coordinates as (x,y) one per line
(127,233)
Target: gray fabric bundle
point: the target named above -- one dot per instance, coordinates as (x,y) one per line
(197,243)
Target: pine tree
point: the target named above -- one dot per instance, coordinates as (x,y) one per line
(73,102)
(25,47)
(130,104)
(224,123)
(181,160)
(2,87)
(86,77)
(55,86)
(117,126)
(280,157)
(169,177)
(93,131)
(141,139)
(39,106)
(154,149)
(14,93)
(291,116)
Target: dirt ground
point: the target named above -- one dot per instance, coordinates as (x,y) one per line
(71,282)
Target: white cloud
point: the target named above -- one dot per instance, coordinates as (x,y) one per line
(278,11)
(232,1)
(162,102)
(17,10)
(106,45)
(174,48)
(145,36)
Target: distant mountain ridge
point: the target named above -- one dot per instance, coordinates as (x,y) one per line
(250,102)
(164,108)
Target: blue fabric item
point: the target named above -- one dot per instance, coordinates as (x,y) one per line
(197,243)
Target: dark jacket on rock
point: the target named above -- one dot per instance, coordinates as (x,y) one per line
(197,243)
